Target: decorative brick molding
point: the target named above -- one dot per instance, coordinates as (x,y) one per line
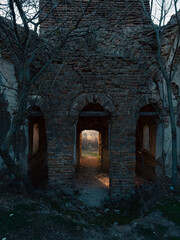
(143,101)
(84,98)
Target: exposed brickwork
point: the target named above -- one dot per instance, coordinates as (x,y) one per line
(111,62)
(111,67)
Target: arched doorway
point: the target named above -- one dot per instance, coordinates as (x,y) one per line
(37,158)
(92,172)
(148,144)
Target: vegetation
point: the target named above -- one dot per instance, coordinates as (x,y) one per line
(89,153)
(20,35)
(167,66)
(50,214)
(170,208)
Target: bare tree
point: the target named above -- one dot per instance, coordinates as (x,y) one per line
(20,34)
(168,66)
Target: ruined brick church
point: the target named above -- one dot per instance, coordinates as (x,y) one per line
(110,83)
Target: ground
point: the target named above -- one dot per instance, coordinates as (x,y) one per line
(59,218)
(92,184)
(87,215)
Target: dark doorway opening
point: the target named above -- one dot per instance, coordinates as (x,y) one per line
(92,167)
(146,141)
(37,160)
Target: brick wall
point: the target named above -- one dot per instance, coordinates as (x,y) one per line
(109,59)
(113,61)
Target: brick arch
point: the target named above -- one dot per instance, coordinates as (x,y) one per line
(138,103)
(157,103)
(84,98)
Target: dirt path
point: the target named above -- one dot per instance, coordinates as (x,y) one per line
(91,183)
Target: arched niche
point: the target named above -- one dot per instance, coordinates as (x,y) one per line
(37,158)
(146,142)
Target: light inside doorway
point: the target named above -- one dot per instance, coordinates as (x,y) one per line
(90,158)
(35,138)
(90,143)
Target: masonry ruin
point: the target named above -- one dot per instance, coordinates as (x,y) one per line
(109,83)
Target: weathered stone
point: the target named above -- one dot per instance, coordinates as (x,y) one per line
(112,69)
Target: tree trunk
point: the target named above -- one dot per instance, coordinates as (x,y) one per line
(173,134)
(17,122)
(15,170)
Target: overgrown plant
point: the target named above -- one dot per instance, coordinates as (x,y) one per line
(20,31)
(168,67)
